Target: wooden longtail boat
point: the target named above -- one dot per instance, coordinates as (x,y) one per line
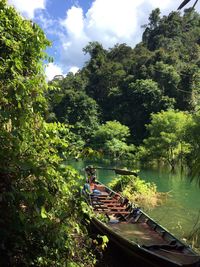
(135,233)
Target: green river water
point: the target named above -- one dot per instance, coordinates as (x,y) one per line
(181,209)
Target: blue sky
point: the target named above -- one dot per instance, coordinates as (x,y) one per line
(71,24)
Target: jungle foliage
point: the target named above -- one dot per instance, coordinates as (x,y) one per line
(41,209)
(168,139)
(126,86)
(110,138)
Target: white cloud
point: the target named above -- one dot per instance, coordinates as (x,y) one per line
(28,7)
(52,70)
(74,37)
(108,22)
(74,23)
(112,20)
(74,69)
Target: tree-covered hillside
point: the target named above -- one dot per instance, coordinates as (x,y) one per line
(129,84)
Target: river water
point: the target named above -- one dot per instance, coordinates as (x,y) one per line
(181,209)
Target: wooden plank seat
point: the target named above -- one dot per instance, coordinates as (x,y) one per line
(120,208)
(101,196)
(94,203)
(109,200)
(111,209)
(108,203)
(114,212)
(117,208)
(111,206)
(98,205)
(105,195)
(101,208)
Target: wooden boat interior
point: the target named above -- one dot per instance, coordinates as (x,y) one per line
(129,221)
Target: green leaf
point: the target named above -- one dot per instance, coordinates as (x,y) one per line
(43,213)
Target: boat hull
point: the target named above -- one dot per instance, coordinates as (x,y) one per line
(133,255)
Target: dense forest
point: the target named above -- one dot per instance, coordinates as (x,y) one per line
(137,102)
(126,103)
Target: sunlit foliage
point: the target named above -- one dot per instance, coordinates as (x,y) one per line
(166,141)
(40,204)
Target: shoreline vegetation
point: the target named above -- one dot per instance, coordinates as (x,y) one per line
(143,194)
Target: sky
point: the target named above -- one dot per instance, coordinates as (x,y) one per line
(71,24)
